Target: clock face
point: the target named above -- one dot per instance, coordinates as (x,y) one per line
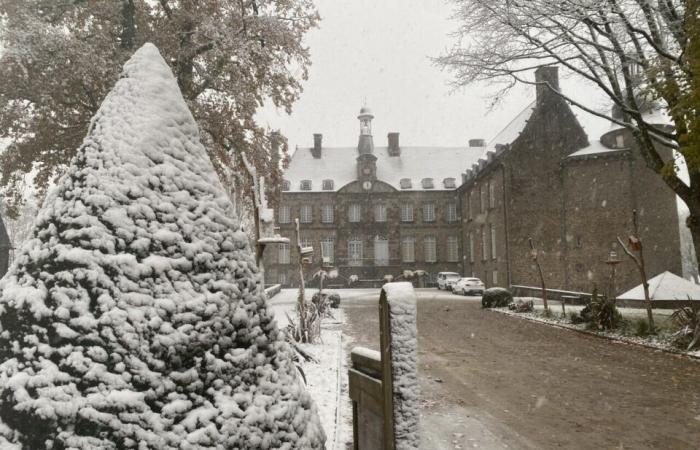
(367,185)
(366,170)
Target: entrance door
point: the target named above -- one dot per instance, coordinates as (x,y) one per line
(381,252)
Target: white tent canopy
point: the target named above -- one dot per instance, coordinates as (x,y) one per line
(665,286)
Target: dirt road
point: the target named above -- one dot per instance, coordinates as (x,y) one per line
(492,381)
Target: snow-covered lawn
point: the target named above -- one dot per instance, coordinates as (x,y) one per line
(327,379)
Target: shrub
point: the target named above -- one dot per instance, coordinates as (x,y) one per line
(641,327)
(496,298)
(601,313)
(521,306)
(575,317)
(688,320)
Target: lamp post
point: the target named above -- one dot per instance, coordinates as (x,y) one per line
(613,260)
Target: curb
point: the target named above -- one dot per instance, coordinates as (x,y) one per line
(339,393)
(602,336)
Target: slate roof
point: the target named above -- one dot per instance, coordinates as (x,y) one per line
(339,164)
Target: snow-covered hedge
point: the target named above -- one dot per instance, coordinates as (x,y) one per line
(134,317)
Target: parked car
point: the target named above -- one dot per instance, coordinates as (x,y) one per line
(445,280)
(468,286)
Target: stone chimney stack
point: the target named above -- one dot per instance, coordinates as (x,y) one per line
(394,149)
(549,75)
(477,143)
(318,145)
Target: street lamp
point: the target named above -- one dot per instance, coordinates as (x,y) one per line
(613,260)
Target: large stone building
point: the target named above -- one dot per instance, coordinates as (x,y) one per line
(377,211)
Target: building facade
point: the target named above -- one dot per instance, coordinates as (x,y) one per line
(376,213)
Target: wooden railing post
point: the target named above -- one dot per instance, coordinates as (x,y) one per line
(397,326)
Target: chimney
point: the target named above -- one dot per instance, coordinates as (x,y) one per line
(318,140)
(394,149)
(549,75)
(477,143)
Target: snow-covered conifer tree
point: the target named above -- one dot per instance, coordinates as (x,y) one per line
(133,317)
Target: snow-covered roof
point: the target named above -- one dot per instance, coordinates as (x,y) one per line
(511,131)
(665,286)
(416,163)
(596,126)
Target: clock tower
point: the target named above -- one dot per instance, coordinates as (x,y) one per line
(366,161)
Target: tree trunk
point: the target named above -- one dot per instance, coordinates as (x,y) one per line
(693,224)
(128,35)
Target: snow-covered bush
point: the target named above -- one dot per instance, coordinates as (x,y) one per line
(521,306)
(496,297)
(134,317)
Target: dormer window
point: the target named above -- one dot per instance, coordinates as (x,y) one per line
(327,185)
(427,183)
(449,183)
(286,185)
(405,183)
(305,185)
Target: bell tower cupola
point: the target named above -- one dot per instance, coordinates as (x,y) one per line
(366,161)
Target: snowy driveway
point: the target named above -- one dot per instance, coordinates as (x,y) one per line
(492,381)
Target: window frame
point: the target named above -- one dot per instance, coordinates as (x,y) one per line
(302,214)
(381,262)
(451,212)
(355,242)
(379,217)
(305,185)
(327,185)
(288,216)
(433,239)
(405,209)
(404,241)
(325,208)
(323,243)
(452,249)
(283,249)
(493,242)
(429,212)
(354,213)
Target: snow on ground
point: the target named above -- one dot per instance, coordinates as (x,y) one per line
(326,380)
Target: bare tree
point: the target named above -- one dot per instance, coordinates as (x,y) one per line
(635,244)
(534,255)
(639,53)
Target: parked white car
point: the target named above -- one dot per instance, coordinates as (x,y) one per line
(445,280)
(468,286)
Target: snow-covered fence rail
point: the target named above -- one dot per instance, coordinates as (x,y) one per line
(572,297)
(384,385)
(273,290)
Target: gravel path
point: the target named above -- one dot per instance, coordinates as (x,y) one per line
(493,381)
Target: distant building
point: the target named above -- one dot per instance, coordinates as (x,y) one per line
(379,211)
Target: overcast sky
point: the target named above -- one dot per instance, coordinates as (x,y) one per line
(380,50)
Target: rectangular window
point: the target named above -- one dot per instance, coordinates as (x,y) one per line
(484,247)
(469,205)
(482,199)
(406,212)
(283,215)
(381,252)
(471,247)
(494,278)
(355,252)
(492,194)
(328,250)
(452,249)
(430,249)
(306,214)
(493,241)
(327,185)
(305,185)
(380,213)
(327,213)
(408,249)
(282,278)
(451,212)
(428,212)
(283,254)
(354,212)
